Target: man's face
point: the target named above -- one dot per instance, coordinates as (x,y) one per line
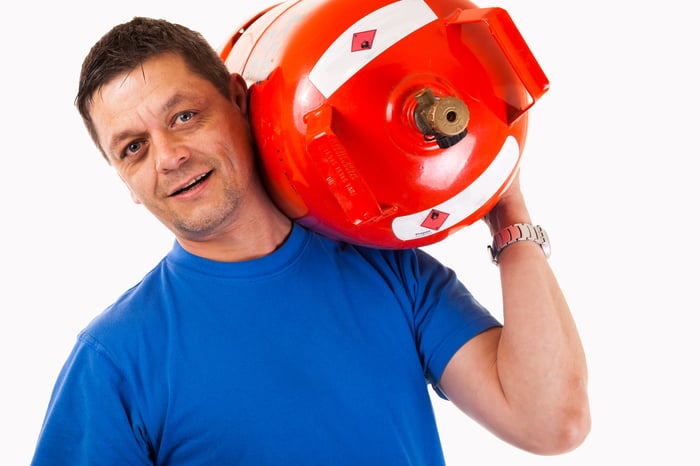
(183,149)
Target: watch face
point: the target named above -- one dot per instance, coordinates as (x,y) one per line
(493,254)
(546,248)
(545,243)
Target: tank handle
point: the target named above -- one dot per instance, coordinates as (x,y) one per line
(513,49)
(339,173)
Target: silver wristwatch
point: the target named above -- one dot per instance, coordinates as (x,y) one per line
(519,232)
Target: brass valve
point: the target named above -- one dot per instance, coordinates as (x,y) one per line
(441,119)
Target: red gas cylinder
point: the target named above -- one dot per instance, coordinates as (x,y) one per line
(386,123)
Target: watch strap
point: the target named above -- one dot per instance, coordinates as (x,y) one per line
(515,233)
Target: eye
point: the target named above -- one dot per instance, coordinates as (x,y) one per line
(184,117)
(131,149)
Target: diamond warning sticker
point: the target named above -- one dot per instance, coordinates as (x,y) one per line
(435,219)
(464,204)
(363,40)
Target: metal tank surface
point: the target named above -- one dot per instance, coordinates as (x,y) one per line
(389,124)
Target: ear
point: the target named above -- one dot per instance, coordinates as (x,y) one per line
(131,192)
(239,92)
(134,198)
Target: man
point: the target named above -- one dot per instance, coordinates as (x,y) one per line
(257,341)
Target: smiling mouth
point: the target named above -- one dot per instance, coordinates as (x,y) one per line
(193,183)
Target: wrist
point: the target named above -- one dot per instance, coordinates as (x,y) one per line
(507,213)
(515,233)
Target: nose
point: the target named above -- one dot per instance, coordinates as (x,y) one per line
(170,154)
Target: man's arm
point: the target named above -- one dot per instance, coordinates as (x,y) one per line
(88,419)
(527,381)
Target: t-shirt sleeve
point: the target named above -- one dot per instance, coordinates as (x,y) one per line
(446,315)
(89,420)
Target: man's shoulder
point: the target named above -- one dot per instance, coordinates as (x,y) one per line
(134,307)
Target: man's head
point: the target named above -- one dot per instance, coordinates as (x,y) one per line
(173,123)
(127,46)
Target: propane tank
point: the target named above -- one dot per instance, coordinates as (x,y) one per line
(386,123)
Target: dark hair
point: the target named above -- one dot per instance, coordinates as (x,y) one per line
(126,46)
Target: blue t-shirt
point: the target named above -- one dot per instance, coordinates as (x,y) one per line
(317,354)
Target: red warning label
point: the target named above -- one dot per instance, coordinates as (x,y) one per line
(435,219)
(363,40)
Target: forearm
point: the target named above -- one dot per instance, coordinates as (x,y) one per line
(541,364)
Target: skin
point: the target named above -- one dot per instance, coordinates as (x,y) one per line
(526,382)
(164,128)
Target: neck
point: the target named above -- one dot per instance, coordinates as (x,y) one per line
(243,241)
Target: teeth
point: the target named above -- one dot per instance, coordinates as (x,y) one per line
(195,181)
(192,183)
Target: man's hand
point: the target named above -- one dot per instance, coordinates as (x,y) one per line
(510,208)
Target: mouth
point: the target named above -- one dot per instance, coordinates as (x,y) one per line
(192,184)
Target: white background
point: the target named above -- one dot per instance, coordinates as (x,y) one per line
(609,169)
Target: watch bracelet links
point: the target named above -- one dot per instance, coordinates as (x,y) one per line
(515,233)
